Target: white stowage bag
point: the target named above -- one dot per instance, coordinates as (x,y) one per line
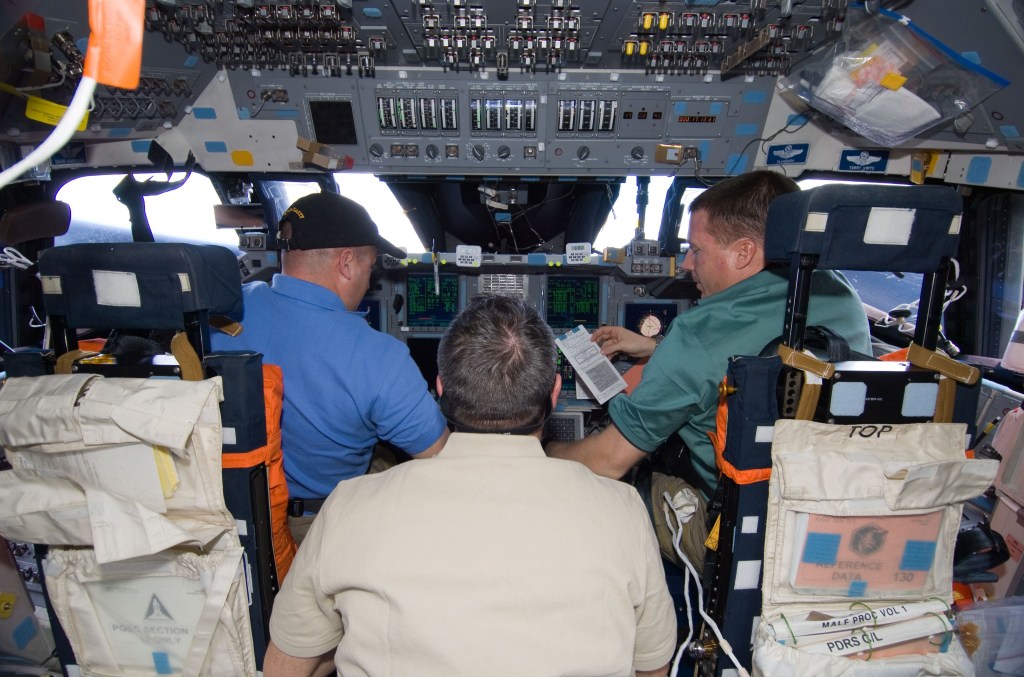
(128,466)
(176,613)
(861,518)
(122,478)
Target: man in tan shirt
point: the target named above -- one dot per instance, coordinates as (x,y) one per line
(489,559)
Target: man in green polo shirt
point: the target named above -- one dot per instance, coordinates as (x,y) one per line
(741,310)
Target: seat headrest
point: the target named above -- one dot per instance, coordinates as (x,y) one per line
(854,227)
(138,285)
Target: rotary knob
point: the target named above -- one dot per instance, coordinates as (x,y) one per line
(504,152)
(377,150)
(479,153)
(583,152)
(431,151)
(637,153)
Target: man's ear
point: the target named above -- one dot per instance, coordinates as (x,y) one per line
(556,391)
(744,252)
(346,257)
(439,385)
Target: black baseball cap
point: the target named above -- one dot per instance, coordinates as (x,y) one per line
(329,220)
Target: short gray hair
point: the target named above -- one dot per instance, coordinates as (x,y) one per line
(497,364)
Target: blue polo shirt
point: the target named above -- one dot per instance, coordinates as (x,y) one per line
(345,384)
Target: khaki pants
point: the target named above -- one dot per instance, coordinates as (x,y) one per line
(695,531)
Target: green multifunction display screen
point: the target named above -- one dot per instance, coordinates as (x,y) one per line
(428,305)
(572,301)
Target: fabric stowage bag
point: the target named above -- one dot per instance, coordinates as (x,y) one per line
(862,521)
(127,466)
(175,613)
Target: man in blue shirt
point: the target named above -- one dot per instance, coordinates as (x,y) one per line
(346,385)
(741,310)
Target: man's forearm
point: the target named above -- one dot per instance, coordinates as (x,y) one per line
(277,663)
(607,453)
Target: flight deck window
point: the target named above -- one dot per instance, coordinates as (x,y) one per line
(620,227)
(181,215)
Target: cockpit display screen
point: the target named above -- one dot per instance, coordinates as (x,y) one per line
(428,306)
(572,301)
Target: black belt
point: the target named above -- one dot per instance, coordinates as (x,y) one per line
(297,507)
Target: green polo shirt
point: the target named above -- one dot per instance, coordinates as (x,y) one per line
(679,388)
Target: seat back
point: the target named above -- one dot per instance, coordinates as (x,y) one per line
(154,290)
(886,228)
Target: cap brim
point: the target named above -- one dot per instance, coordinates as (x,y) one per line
(386,247)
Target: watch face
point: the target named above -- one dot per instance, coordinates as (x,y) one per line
(649,325)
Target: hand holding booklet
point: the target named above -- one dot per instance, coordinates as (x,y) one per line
(593,368)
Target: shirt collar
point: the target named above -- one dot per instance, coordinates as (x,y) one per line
(308,292)
(761,282)
(467,445)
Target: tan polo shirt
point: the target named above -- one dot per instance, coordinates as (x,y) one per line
(488,559)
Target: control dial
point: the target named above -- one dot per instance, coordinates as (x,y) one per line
(431,151)
(649,325)
(377,150)
(479,153)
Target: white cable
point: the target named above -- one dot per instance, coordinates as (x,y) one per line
(12,258)
(59,136)
(677,534)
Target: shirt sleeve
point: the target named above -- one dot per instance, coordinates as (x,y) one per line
(403,412)
(676,385)
(304,623)
(656,614)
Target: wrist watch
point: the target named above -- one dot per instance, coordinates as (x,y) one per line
(658,339)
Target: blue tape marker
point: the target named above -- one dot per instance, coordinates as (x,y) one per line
(286,114)
(215,147)
(162,663)
(204,113)
(119,132)
(979,169)
(796,120)
(918,556)
(748,129)
(272,257)
(24,632)
(191,61)
(372,12)
(536,259)
(1009,131)
(679,108)
(857,589)
(736,164)
(141,145)
(1020,177)
(973,57)
(754,97)
(716,108)
(821,548)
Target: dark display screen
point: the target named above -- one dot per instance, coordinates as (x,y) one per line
(424,354)
(333,123)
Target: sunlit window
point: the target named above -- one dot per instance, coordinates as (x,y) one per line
(181,215)
(620,227)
